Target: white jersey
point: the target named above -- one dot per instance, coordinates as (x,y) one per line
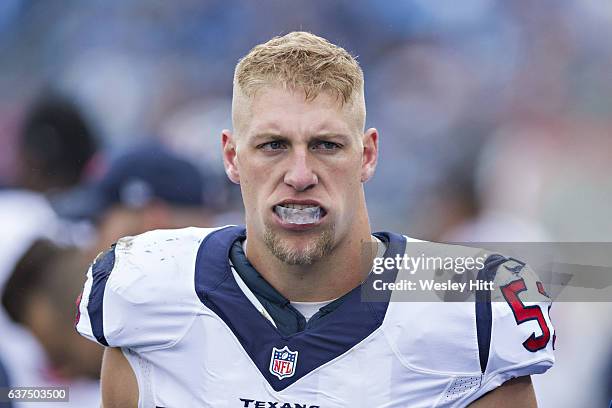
(194,337)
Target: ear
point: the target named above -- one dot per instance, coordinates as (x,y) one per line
(229,156)
(370,154)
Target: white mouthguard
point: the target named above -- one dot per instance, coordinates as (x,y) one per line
(298,216)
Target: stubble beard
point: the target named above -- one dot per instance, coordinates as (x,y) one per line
(321,247)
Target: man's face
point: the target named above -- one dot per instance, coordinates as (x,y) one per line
(300,165)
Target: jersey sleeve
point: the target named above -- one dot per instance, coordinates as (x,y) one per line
(140,293)
(521,333)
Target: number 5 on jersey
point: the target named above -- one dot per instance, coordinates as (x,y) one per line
(524,313)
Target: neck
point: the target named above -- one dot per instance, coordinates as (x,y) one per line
(327,278)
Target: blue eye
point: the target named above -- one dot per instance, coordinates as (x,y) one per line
(324,145)
(272,146)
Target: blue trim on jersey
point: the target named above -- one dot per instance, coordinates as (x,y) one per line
(287,318)
(100,271)
(338,332)
(484,313)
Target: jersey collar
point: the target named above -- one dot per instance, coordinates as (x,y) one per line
(340,328)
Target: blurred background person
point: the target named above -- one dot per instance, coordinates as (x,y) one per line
(25,217)
(37,297)
(144,188)
(54,150)
(55,147)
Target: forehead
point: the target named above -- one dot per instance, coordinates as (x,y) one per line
(287,112)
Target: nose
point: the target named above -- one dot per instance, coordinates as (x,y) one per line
(300,174)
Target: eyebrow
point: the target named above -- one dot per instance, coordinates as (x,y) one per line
(327,136)
(269,136)
(316,138)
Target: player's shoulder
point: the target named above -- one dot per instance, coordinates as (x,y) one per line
(140,292)
(151,249)
(148,259)
(161,241)
(522,332)
(502,326)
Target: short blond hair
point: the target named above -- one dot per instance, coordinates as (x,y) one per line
(300,60)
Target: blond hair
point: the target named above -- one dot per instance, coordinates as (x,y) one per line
(300,60)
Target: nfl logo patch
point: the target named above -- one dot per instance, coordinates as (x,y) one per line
(283,362)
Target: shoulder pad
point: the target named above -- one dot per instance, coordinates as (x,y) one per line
(140,293)
(522,334)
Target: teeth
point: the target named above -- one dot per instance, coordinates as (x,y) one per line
(298,214)
(298,206)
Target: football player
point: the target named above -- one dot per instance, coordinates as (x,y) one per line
(271,314)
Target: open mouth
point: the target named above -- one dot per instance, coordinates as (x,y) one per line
(299,214)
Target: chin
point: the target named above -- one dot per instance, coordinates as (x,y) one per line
(303,249)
